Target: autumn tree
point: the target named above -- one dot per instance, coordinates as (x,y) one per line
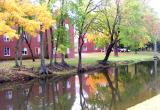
(82,17)
(120,21)
(25,17)
(108,22)
(17,20)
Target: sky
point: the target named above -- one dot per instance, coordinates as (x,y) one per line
(155,4)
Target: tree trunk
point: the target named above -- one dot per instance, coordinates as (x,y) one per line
(30,49)
(46,49)
(21,56)
(108,51)
(52,45)
(43,69)
(116,49)
(62,59)
(16,53)
(80,46)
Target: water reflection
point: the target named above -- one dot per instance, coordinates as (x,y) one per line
(115,88)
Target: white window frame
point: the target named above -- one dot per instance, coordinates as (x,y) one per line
(24,51)
(9,95)
(5,51)
(95,47)
(6,38)
(38,38)
(39,51)
(84,48)
(85,40)
(67,26)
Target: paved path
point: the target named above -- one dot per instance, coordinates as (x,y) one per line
(150,104)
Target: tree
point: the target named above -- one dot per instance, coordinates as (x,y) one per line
(82,17)
(17,20)
(152,25)
(24,16)
(61,33)
(133,28)
(120,21)
(108,21)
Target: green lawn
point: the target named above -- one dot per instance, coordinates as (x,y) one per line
(89,59)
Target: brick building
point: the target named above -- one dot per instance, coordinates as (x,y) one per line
(7,46)
(88,47)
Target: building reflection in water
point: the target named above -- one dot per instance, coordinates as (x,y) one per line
(114,88)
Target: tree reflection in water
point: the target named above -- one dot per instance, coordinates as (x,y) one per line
(106,96)
(114,88)
(83,102)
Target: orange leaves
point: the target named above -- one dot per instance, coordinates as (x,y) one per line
(92,82)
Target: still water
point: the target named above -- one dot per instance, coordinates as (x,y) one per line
(115,88)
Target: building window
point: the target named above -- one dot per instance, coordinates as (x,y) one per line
(9,95)
(68,85)
(67,26)
(37,51)
(6,38)
(68,51)
(38,38)
(40,90)
(24,51)
(84,48)
(6,51)
(9,107)
(95,48)
(85,40)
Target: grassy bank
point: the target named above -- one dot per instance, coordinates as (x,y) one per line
(88,59)
(9,73)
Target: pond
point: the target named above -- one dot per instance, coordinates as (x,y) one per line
(114,88)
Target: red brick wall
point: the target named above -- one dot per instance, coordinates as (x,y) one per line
(34,44)
(12,43)
(90,47)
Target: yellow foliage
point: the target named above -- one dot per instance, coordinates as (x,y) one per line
(97,37)
(16,13)
(91,37)
(7,30)
(44,16)
(99,79)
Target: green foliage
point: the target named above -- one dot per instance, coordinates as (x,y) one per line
(81,14)
(133,32)
(106,23)
(62,37)
(61,34)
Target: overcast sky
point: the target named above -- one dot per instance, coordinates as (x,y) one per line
(155,4)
